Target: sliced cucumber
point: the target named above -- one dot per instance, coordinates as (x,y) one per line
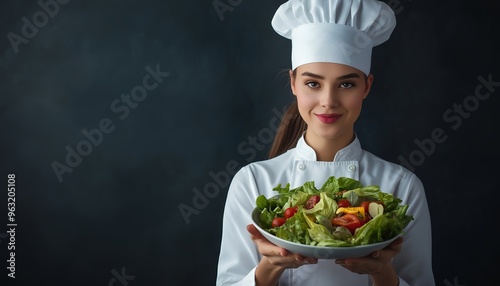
(375,209)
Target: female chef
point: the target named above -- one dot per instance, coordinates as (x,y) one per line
(332,41)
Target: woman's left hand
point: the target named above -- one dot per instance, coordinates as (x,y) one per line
(378,264)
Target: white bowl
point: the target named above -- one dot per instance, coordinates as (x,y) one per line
(320,252)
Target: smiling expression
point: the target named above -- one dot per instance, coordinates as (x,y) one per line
(329,98)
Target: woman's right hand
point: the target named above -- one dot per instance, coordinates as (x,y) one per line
(274,259)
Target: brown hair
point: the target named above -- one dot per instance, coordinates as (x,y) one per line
(289,131)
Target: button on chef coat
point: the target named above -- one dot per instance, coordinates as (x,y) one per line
(239,256)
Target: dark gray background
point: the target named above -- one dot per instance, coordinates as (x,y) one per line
(118,210)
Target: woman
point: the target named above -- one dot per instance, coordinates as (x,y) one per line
(330,77)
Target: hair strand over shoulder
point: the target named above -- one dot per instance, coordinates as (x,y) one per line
(290,130)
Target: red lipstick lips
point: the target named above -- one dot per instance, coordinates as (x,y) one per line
(328,118)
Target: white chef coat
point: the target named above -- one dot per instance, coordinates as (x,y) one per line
(239,255)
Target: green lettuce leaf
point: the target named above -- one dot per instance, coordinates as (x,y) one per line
(346,183)
(331,185)
(324,209)
(294,230)
(322,235)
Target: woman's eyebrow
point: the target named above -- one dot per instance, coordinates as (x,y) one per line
(351,75)
(346,76)
(313,75)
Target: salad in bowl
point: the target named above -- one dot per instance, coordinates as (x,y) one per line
(343,216)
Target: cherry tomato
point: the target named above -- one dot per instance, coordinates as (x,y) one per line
(289,212)
(278,221)
(312,201)
(365,204)
(343,203)
(349,221)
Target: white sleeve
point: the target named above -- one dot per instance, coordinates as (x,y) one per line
(238,254)
(414,263)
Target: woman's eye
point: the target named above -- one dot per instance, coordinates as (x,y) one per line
(312,84)
(346,85)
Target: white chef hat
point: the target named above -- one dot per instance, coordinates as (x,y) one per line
(337,31)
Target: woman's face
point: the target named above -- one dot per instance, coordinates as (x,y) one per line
(329,98)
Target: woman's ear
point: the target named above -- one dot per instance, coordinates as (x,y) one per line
(292,81)
(368,85)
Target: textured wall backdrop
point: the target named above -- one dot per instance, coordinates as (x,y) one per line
(115,115)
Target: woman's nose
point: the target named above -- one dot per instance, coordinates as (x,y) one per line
(329,98)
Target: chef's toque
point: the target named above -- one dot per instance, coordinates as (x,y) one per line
(335,31)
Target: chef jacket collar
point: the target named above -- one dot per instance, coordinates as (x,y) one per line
(351,152)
